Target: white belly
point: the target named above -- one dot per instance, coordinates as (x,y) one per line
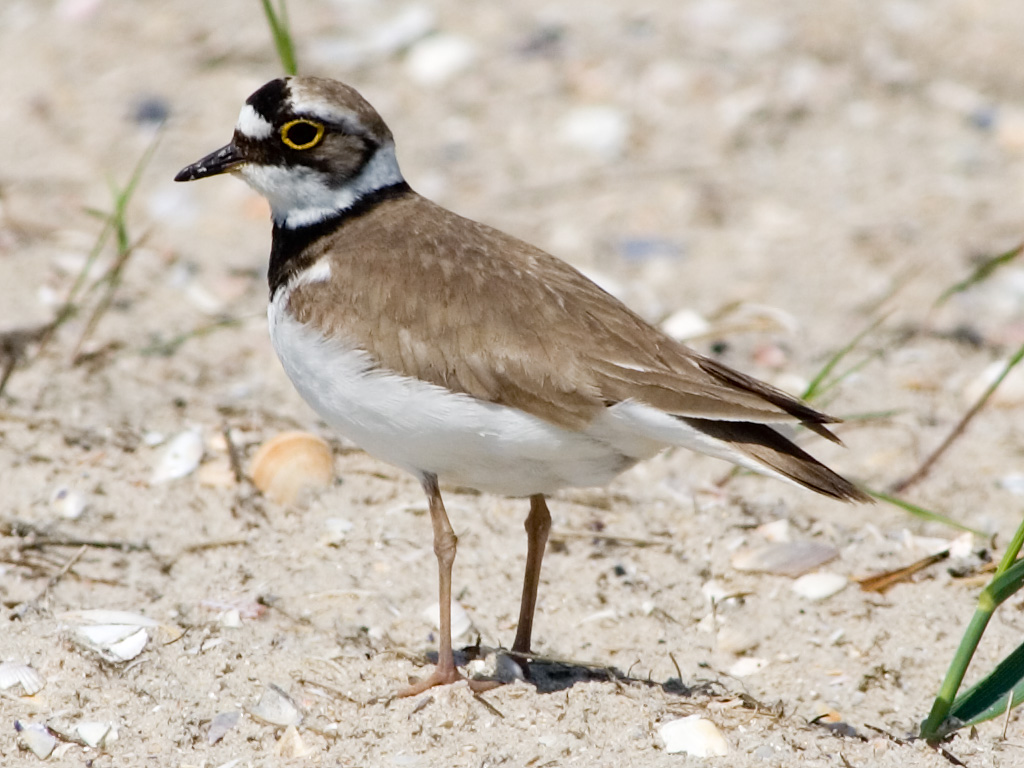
(422,427)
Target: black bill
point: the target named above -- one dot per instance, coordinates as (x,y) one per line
(223,160)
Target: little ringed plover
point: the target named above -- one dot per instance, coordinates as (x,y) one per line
(461,354)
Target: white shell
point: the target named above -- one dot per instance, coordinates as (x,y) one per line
(130,647)
(95,733)
(693,735)
(179,458)
(461,623)
(221,724)
(819,585)
(747,666)
(790,558)
(115,642)
(276,707)
(14,673)
(36,737)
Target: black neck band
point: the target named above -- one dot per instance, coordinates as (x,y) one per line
(289,252)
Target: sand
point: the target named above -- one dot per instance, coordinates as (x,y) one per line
(788,174)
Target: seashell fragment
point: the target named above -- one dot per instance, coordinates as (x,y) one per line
(290,744)
(291,462)
(276,707)
(120,638)
(819,585)
(95,733)
(14,673)
(790,558)
(36,737)
(693,735)
(179,458)
(220,725)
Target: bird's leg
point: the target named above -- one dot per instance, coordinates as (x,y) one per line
(445,541)
(537,525)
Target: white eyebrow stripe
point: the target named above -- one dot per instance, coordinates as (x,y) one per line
(252,124)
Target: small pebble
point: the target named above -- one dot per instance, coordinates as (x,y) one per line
(1013,482)
(747,666)
(437,59)
(601,131)
(151,111)
(819,585)
(693,735)
(335,530)
(68,503)
(180,458)
(685,324)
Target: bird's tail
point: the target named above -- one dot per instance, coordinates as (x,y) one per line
(766,447)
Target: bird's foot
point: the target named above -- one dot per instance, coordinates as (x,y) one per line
(442,676)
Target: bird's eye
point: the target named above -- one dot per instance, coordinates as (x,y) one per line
(302,133)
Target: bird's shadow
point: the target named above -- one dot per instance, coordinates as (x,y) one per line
(550,675)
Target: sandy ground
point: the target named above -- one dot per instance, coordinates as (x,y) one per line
(788,175)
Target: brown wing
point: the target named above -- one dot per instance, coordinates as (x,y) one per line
(465,306)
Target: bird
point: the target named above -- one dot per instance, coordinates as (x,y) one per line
(464,355)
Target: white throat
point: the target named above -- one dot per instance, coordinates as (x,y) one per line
(300,196)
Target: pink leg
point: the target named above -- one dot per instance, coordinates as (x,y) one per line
(538,523)
(445,541)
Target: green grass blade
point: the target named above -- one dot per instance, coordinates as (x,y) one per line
(989,697)
(975,704)
(924,514)
(816,387)
(281,32)
(980,273)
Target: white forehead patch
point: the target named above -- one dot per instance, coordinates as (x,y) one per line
(252,124)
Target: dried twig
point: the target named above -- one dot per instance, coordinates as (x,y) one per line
(921,472)
(33,604)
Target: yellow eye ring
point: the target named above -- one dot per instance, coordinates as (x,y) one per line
(308,143)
